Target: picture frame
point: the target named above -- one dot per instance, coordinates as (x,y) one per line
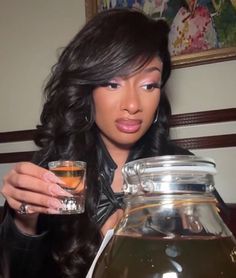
(213,55)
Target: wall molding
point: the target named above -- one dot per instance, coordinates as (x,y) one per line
(17,136)
(16,157)
(195,118)
(207,142)
(203,117)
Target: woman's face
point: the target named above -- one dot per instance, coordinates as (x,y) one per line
(126,107)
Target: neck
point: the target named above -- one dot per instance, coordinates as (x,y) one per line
(118,153)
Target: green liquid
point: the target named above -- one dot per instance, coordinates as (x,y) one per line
(133,257)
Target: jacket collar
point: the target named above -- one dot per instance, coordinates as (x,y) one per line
(104,155)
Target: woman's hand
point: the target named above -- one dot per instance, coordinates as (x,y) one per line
(36,187)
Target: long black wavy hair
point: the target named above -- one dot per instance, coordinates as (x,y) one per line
(117,42)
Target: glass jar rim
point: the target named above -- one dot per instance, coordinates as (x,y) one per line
(171,162)
(171,173)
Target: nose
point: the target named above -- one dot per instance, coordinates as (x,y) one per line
(130,101)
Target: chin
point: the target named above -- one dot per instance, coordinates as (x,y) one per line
(124,140)
(127,144)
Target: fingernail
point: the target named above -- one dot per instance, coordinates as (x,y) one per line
(54,204)
(56,190)
(51,177)
(30,210)
(53,211)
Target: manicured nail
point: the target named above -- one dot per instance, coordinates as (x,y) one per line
(56,190)
(53,211)
(51,177)
(30,210)
(54,204)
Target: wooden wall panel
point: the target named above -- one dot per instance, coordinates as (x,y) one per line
(202,117)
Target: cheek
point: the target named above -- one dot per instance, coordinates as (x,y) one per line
(100,111)
(105,106)
(151,107)
(103,113)
(99,105)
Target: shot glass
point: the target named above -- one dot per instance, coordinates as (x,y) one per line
(72,175)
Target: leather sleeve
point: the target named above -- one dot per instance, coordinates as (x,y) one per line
(26,255)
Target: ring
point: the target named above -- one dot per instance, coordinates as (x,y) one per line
(23,209)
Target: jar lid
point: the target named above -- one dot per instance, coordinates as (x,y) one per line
(166,174)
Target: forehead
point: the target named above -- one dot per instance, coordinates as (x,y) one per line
(137,66)
(153,65)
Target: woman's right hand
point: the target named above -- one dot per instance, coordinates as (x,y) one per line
(35,186)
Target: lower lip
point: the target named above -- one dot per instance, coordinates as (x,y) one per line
(128,128)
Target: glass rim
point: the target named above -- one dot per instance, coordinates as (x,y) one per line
(66,162)
(169,162)
(169,174)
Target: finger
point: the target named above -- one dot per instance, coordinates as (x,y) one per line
(23,175)
(33,198)
(30,183)
(29,168)
(31,209)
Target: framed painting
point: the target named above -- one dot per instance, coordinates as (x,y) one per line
(201,31)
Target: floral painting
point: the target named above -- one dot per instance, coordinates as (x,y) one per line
(195,25)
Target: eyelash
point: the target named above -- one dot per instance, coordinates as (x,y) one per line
(112,85)
(149,87)
(152,86)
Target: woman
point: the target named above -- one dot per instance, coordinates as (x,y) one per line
(104,104)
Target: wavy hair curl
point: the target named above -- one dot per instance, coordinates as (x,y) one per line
(116,42)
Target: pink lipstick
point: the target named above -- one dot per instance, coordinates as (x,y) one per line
(128,125)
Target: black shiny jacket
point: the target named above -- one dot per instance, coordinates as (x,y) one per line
(110,201)
(28,254)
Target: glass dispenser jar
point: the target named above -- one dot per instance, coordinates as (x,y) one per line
(171,227)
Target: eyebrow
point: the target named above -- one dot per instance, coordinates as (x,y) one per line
(151,69)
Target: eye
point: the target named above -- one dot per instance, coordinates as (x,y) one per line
(151,87)
(112,85)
